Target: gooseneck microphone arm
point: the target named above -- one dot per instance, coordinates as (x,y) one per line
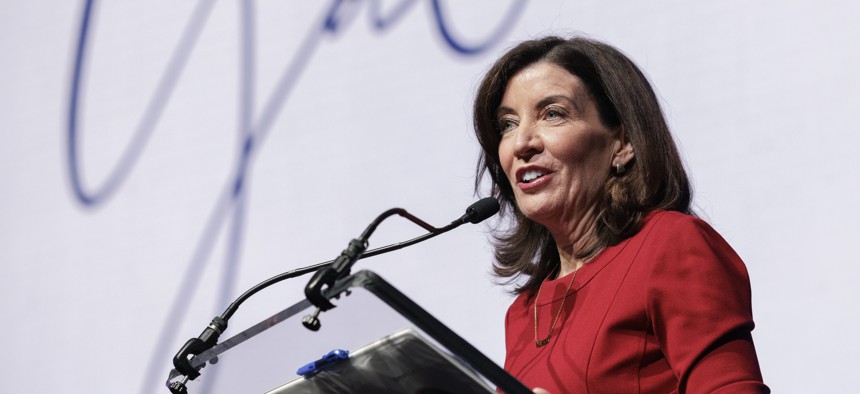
(326,273)
(326,277)
(475,213)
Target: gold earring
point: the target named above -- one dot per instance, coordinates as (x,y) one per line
(619,168)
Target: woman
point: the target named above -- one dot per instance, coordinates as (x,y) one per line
(626,290)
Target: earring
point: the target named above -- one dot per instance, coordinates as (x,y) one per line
(619,168)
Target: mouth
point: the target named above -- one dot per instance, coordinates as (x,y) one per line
(530,175)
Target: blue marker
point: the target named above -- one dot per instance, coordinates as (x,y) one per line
(332,357)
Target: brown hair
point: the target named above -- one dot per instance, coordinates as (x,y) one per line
(654,179)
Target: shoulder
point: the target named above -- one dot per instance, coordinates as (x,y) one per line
(667,221)
(682,248)
(518,313)
(521,303)
(676,229)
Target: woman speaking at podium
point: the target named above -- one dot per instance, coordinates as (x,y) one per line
(623,290)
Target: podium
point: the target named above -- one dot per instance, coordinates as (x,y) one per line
(395,347)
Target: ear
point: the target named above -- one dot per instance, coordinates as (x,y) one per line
(624,152)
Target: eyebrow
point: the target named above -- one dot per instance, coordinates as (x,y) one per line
(502,110)
(574,101)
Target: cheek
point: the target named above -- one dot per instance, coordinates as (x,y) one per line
(587,150)
(506,156)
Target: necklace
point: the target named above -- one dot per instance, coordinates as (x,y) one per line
(542,342)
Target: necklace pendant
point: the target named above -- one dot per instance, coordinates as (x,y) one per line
(542,342)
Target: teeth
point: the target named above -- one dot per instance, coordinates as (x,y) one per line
(531,175)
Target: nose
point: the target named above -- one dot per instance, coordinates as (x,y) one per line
(528,142)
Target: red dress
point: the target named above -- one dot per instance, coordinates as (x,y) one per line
(665,311)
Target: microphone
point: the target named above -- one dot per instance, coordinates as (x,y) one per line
(475,213)
(326,274)
(481,210)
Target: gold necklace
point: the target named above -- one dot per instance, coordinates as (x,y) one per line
(542,342)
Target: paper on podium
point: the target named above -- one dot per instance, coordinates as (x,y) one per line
(403,362)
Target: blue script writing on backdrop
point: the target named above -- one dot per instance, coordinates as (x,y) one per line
(229,207)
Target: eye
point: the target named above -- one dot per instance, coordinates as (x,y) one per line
(506,124)
(554,114)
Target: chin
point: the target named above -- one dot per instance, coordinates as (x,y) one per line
(537,214)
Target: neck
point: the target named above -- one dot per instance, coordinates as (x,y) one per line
(568,264)
(570,239)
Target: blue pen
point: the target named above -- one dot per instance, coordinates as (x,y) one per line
(330,358)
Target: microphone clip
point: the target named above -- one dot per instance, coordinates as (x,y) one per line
(325,278)
(194,346)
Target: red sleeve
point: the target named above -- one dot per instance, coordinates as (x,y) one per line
(699,305)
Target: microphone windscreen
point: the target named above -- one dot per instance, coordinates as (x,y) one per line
(482,209)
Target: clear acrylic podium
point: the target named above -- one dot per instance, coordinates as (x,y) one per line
(369,319)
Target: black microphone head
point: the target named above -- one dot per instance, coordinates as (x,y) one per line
(481,210)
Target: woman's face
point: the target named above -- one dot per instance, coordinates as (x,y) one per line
(554,149)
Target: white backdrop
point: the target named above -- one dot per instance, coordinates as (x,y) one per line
(112,256)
